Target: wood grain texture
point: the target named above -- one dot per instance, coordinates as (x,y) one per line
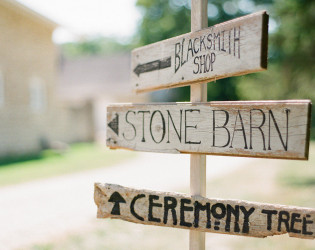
(235,217)
(236,47)
(266,129)
(198,93)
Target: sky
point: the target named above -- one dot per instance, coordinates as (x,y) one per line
(81,18)
(116,18)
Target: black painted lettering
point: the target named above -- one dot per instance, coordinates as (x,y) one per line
(212,60)
(202,42)
(216,36)
(236,213)
(295,218)
(196,62)
(202,63)
(223,126)
(285,145)
(218,211)
(196,49)
(239,129)
(222,49)
(216,225)
(182,51)
(237,40)
(132,125)
(169,118)
(163,126)
(170,203)
(246,218)
(143,113)
(186,126)
(284,218)
(269,217)
(183,209)
(304,225)
(259,128)
(207,63)
(199,207)
(151,205)
(177,57)
(190,48)
(209,38)
(132,206)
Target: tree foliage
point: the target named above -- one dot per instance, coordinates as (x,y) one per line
(291,69)
(94,46)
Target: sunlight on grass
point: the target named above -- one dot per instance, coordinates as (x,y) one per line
(79,157)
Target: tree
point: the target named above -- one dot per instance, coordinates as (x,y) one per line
(291,69)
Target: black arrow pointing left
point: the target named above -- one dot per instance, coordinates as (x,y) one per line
(116,198)
(154,65)
(114,124)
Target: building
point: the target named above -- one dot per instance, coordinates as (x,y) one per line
(97,81)
(32,116)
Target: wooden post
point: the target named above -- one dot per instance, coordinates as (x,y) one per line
(198,93)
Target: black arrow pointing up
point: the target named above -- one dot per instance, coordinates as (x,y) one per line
(114,124)
(116,198)
(154,65)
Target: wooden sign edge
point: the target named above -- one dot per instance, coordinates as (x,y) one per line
(264,40)
(308,132)
(228,103)
(304,158)
(98,189)
(307,102)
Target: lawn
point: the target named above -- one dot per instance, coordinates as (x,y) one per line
(78,157)
(269,181)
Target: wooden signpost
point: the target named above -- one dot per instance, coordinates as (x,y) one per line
(236,47)
(208,215)
(266,129)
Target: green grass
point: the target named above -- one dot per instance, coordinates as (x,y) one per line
(78,157)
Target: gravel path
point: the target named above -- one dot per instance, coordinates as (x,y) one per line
(41,210)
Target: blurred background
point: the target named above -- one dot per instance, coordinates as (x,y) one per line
(63,61)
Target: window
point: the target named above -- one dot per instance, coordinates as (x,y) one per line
(37,95)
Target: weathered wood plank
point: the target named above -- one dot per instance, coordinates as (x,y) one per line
(208,215)
(236,47)
(267,129)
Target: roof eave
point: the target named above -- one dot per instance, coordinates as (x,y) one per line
(31,13)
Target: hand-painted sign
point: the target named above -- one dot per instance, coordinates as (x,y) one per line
(232,48)
(198,213)
(267,129)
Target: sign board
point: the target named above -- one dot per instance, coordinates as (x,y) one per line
(197,213)
(231,48)
(267,129)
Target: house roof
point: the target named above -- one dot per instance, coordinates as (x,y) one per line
(16,6)
(91,76)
